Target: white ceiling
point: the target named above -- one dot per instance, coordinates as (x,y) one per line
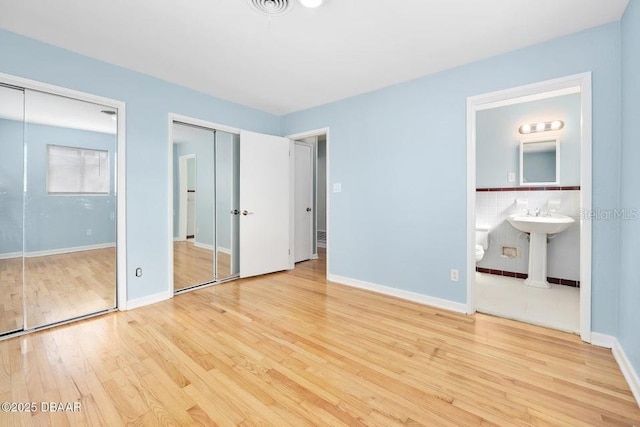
(52,110)
(307,57)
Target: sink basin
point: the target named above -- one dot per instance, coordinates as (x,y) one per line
(538,228)
(552,224)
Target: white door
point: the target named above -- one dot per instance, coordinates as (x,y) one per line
(264,204)
(303,201)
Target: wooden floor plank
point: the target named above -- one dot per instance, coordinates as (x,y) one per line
(291,348)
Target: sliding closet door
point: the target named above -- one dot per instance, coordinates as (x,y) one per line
(11,211)
(193,206)
(265,204)
(69,208)
(227,205)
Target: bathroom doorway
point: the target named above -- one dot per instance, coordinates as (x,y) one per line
(529,170)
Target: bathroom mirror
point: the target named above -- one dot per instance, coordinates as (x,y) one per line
(539,162)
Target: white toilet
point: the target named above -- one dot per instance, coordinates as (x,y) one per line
(482,242)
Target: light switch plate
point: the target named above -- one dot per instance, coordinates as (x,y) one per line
(337,187)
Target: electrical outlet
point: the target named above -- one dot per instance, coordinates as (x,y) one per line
(454,275)
(511,177)
(89,232)
(337,187)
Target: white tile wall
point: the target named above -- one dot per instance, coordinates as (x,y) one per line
(492,209)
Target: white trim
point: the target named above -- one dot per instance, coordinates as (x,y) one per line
(183,193)
(121,227)
(202,123)
(68,250)
(225,250)
(628,371)
(148,300)
(10,255)
(203,246)
(519,94)
(317,132)
(399,293)
(602,340)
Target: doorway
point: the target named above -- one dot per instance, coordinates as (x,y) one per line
(311,195)
(498,251)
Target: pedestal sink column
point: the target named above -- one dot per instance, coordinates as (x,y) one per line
(537,261)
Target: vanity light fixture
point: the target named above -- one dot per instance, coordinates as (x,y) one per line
(311,3)
(541,127)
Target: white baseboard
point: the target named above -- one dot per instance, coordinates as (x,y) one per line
(399,293)
(224,250)
(148,300)
(602,340)
(630,374)
(628,371)
(10,255)
(57,251)
(203,246)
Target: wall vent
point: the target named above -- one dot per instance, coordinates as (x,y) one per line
(271,7)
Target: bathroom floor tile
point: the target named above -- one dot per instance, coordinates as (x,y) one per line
(557,308)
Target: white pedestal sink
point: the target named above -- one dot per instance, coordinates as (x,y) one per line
(538,228)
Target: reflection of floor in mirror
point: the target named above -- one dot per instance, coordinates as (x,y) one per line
(57,287)
(11,297)
(192,265)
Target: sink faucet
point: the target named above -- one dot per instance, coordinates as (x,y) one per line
(537,211)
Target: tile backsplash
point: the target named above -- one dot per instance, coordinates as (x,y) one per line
(492,210)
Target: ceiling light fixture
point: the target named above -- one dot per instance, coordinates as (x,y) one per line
(541,127)
(311,3)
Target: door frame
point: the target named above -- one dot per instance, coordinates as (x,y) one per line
(183,214)
(174,117)
(313,189)
(318,132)
(519,94)
(120,175)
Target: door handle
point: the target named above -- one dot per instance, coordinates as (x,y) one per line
(308,209)
(235,212)
(246,212)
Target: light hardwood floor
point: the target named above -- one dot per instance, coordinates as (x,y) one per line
(293,349)
(56,287)
(193,265)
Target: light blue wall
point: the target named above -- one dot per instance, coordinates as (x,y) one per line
(51,221)
(400,154)
(629,314)
(148,102)
(498,139)
(62,221)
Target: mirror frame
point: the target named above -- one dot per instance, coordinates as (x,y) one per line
(556,142)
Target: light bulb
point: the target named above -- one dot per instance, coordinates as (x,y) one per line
(311,3)
(557,124)
(525,128)
(540,127)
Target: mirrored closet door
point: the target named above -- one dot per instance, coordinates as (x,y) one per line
(58,210)
(205,206)
(11,209)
